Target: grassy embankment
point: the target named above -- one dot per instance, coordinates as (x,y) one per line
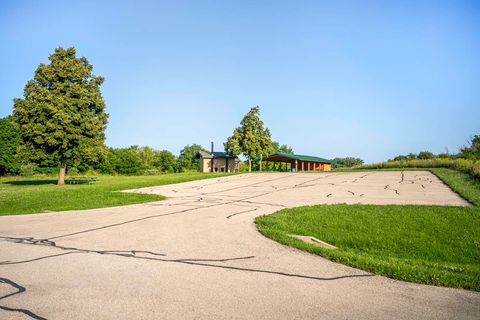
(34,195)
(438,245)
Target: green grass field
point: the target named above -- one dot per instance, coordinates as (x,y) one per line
(35,195)
(436,245)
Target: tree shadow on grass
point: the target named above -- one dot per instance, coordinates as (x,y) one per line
(30,182)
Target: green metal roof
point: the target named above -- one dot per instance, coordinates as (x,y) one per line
(300,157)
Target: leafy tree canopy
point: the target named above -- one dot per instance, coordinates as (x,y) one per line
(276,147)
(347,162)
(425,155)
(188,157)
(472,151)
(9,141)
(166,161)
(251,138)
(62,114)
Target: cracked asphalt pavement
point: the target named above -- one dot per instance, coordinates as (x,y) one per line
(198,255)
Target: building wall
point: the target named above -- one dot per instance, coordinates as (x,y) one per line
(314,166)
(219,165)
(205,165)
(232,165)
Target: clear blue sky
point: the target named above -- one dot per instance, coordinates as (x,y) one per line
(334,78)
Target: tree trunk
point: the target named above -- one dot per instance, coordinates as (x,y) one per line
(61,173)
(249,165)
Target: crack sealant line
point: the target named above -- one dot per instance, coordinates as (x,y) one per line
(237,213)
(250,185)
(202,262)
(20,289)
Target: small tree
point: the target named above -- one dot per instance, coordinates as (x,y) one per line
(62,113)
(276,147)
(251,139)
(472,151)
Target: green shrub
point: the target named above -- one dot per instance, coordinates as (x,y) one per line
(27,170)
(72,171)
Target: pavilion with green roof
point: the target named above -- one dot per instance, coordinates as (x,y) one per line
(297,162)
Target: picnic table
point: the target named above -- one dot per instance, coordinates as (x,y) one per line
(81,180)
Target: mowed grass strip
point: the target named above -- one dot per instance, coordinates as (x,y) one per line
(437,245)
(36,195)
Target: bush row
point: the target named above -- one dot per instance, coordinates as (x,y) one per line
(471,167)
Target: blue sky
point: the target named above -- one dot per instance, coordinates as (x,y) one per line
(332,78)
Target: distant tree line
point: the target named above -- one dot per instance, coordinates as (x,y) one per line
(145,160)
(471,151)
(347,162)
(133,160)
(467,160)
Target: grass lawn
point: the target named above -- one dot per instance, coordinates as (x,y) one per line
(34,195)
(438,245)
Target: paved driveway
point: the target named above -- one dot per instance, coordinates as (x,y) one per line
(198,255)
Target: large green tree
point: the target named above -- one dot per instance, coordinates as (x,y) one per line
(165,161)
(9,140)
(251,138)
(187,159)
(62,114)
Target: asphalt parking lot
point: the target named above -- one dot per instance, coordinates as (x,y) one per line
(198,255)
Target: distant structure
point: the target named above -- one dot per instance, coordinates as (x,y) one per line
(297,163)
(218,161)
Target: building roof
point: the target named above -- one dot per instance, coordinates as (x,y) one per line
(204,154)
(225,155)
(215,155)
(280,156)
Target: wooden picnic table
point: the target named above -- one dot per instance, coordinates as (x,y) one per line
(81,180)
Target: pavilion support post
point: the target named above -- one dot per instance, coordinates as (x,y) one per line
(303,165)
(296,165)
(308,165)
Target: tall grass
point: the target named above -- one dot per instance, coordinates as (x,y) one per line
(470,167)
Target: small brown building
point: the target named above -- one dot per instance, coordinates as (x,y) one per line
(297,162)
(218,162)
